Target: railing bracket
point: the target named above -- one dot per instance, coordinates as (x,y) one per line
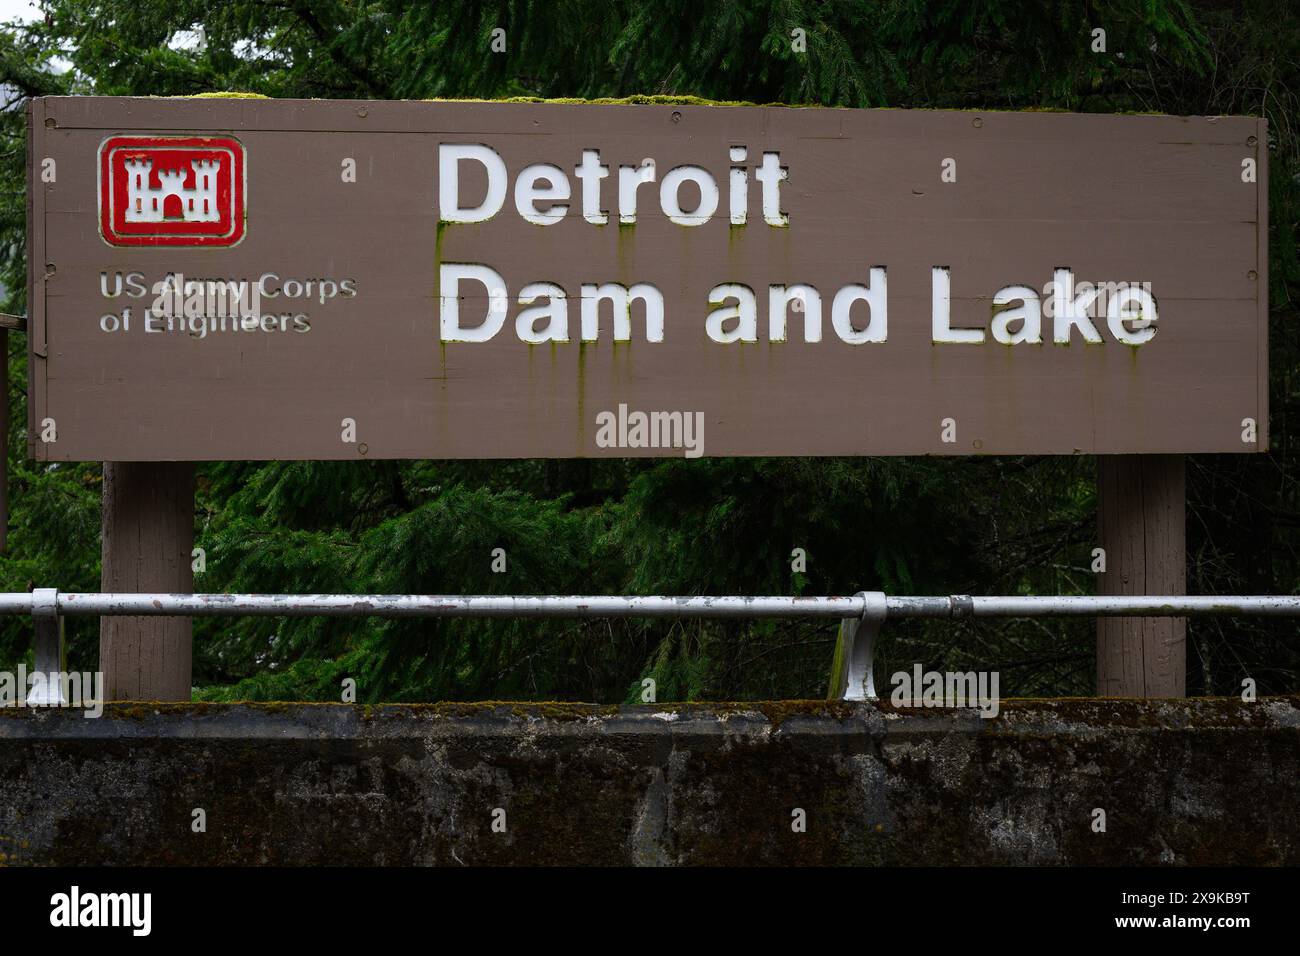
(49,649)
(856,650)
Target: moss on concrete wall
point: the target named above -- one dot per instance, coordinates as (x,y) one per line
(1182,782)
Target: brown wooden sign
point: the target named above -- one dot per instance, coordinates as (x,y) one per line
(255,279)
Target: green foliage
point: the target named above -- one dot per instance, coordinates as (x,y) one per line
(689,527)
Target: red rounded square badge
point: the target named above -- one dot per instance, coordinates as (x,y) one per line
(171,190)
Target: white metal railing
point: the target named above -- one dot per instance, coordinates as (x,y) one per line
(863,613)
(44,600)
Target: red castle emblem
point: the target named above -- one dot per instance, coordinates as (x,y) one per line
(171,191)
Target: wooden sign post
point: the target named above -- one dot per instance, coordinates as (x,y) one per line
(1142,516)
(148,536)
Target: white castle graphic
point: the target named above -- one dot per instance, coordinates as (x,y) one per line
(147,204)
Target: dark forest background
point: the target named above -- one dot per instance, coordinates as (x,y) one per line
(717,526)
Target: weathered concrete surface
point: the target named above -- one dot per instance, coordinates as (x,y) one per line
(1182,782)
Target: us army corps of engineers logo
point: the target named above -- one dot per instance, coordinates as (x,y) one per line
(171,190)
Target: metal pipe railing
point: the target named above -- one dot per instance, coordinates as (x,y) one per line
(550,606)
(864,613)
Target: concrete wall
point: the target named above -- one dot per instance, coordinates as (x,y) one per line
(1181,782)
